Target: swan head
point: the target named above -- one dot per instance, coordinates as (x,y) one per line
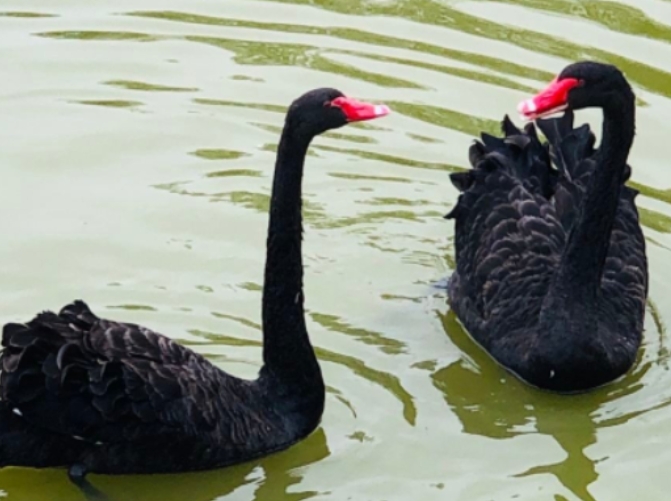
(580,85)
(324,109)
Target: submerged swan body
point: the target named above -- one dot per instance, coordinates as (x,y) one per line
(102,396)
(551,274)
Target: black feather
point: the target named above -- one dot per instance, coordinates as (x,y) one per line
(512,222)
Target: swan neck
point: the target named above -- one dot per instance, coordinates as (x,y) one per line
(287,352)
(582,263)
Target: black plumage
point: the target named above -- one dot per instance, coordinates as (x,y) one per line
(101,396)
(101,392)
(551,273)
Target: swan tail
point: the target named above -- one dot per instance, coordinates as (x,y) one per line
(32,356)
(79,313)
(36,352)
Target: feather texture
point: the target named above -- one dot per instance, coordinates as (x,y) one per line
(120,387)
(517,208)
(110,397)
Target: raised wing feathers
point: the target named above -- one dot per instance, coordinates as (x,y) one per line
(508,234)
(513,218)
(76,374)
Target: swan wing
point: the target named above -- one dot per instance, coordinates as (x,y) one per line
(76,374)
(508,235)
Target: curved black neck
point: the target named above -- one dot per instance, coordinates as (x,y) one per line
(581,268)
(287,352)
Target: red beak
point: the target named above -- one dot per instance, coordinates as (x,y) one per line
(552,99)
(357,111)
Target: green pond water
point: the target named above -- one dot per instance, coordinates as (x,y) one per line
(137,143)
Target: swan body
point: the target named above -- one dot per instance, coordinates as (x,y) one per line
(102,396)
(551,274)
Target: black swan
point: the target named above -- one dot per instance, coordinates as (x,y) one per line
(551,274)
(102,396)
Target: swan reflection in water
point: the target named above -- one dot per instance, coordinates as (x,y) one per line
(490,402)
(269,478)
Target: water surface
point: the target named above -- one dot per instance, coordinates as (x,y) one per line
(137,145)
